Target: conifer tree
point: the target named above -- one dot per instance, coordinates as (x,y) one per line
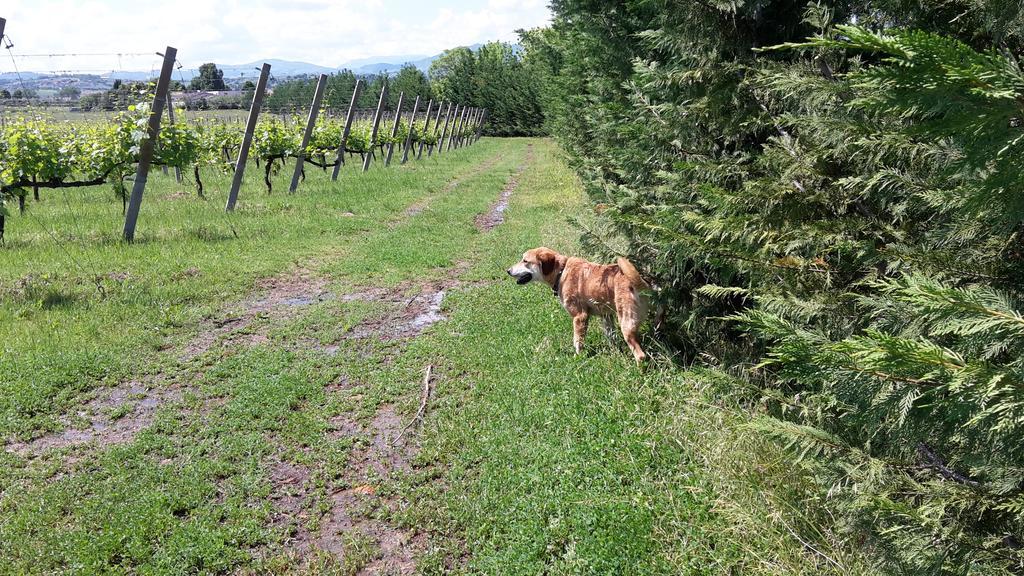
(841,208)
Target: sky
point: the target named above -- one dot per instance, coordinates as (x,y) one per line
(324,32)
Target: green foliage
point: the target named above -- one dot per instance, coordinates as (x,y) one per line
(413,83)
(844,213)
(274,139)
(210,78)
(494,77)
(121,96)
(40,151)
(296,94)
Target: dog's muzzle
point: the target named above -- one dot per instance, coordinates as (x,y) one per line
(522,277)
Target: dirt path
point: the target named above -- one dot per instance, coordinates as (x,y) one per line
(351,518)
(496,215)
(116,415)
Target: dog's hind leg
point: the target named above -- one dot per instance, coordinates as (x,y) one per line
(629,321)
(579,330)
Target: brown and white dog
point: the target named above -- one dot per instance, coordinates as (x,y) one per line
(585,289)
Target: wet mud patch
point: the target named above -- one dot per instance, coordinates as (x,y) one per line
(416,208)
(354,530)
(495,216)
(115,416)
(290,494)
(406,316)
(275,299)
(358,512)
(398,313)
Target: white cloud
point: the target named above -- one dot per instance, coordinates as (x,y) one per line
(326,32)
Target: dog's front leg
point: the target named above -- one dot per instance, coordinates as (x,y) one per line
(579,328)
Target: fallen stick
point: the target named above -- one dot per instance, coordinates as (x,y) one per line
(421,411)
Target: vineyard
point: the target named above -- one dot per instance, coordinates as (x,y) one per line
(37,153)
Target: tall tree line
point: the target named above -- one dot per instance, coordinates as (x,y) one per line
(830,196)
(497,77)
(296,94)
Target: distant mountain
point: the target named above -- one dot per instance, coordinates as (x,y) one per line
(279,69)
(392,64)
(13,76)
(235,73)
(361,62)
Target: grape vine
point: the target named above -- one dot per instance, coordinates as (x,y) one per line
(37,153)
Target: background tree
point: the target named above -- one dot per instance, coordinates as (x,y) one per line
(210,78)
(413,82)
(494,77)
(70,92)
(25,94)
(452,75)
(371,94)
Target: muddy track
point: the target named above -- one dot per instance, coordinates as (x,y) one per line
(495,216)
(116,415)
(422,204)
(357,514)
(385,449)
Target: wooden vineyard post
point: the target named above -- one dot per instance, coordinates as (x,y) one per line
(447,118)
(455,121)
(462,130)
(412,129)
(170,122)
(470,126)
(453,138)
(148,144)
(426,127)
(480,126)
(376,125)
(250,128)
(462,127)
(457,132)
(348,129)
(394,129)
(437,129)
(3,122)
(318,97)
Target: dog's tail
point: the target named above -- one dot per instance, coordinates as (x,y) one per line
(631,274)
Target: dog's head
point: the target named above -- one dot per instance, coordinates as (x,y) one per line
(537,264)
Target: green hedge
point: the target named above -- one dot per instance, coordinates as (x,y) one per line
(834,215)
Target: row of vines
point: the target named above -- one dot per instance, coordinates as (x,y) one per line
(37,153)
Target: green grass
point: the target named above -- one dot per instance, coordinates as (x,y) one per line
(531,460)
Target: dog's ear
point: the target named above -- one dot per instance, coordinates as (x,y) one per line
(547,264)
(548,260)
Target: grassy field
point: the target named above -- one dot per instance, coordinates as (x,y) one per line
(242,394)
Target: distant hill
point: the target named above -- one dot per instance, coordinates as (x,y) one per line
(392,64)
(279,68)
(233,73)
